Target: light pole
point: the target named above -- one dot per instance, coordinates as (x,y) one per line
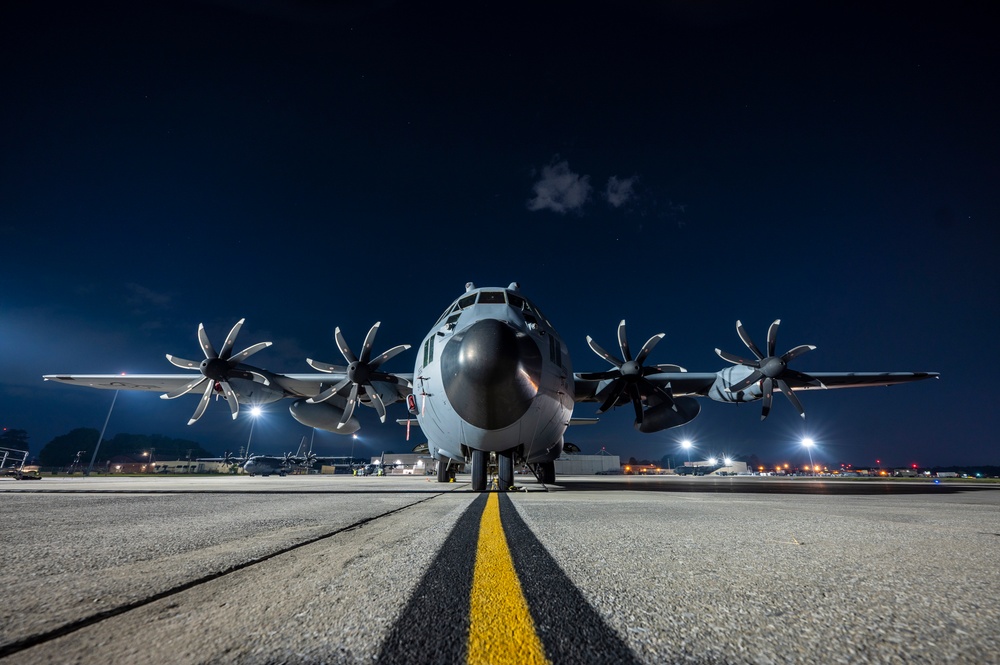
(686,445)
(101,437)
(254,414)
(809,443)
(354,437)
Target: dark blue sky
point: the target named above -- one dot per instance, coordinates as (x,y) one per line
(680,165)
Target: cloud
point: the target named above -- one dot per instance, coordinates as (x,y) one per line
(620,190)
(560,190)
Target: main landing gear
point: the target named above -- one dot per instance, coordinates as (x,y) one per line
(481,468)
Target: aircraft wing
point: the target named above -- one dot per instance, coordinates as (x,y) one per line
(700,383)
(294,385)
(859,379)
(148,382)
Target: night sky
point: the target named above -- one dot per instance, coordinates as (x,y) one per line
(679,165)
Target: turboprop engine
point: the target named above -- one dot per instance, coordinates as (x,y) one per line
(663,416)
(323,415)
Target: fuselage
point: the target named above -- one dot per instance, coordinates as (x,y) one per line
(493,375)
(260,465)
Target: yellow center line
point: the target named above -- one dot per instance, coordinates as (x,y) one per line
(501,629)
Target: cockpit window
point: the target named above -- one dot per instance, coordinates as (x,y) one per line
(491,297)
(467,301)
(517,302)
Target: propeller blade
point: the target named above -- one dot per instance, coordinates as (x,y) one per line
(203,404)
(772,336)
(227,346)
(349,410)
(745,336)
(260,378)
(754,377)
(796,352)
(736,360)
(596,348)
(342,345)
(366,348)
(376,402)
(791,397)
(623,341)
(388,355)
(326,367)
(649,346)
(206,345)
(664,395)
(182,363)
(633,392)
(247,352)
(665,368)
(800,377)
(617,388)
(234,403)
(768,388)
(328,393)
(185,389)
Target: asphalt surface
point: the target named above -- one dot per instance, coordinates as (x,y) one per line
(359,570)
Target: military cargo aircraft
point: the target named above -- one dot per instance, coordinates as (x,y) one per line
(492,378)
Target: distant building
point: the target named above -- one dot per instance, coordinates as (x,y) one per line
(587,465)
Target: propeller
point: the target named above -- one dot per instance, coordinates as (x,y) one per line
(361,372)
(289,459)
(629,375)
(770,370)
(228,459)
(308,460)
(217,368)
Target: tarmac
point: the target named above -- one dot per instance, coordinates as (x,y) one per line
(338,569)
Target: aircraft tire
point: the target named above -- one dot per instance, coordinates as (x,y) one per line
(479,461)
(547,472)
(505,470)
(443,474)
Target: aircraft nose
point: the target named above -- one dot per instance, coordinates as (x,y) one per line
(491,373)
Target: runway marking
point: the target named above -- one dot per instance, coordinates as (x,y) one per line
(498,611)
(436,624)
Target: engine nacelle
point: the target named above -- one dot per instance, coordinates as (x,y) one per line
(323,416)
(661,417)
(730,376)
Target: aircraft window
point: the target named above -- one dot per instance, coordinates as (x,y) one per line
(447,312)
(491,297)
(529,317)
(428,351)
(467,301)
(517,302)
(454,317)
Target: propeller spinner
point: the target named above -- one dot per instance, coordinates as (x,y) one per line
(217,367)
(770,369)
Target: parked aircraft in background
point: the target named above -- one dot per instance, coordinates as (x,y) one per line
(492,378)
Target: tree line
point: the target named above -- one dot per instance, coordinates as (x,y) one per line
(65,449)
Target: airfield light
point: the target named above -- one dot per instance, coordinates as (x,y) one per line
(729,461)
(255,411)
(712,461)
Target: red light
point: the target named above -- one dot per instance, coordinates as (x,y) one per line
(914,466)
